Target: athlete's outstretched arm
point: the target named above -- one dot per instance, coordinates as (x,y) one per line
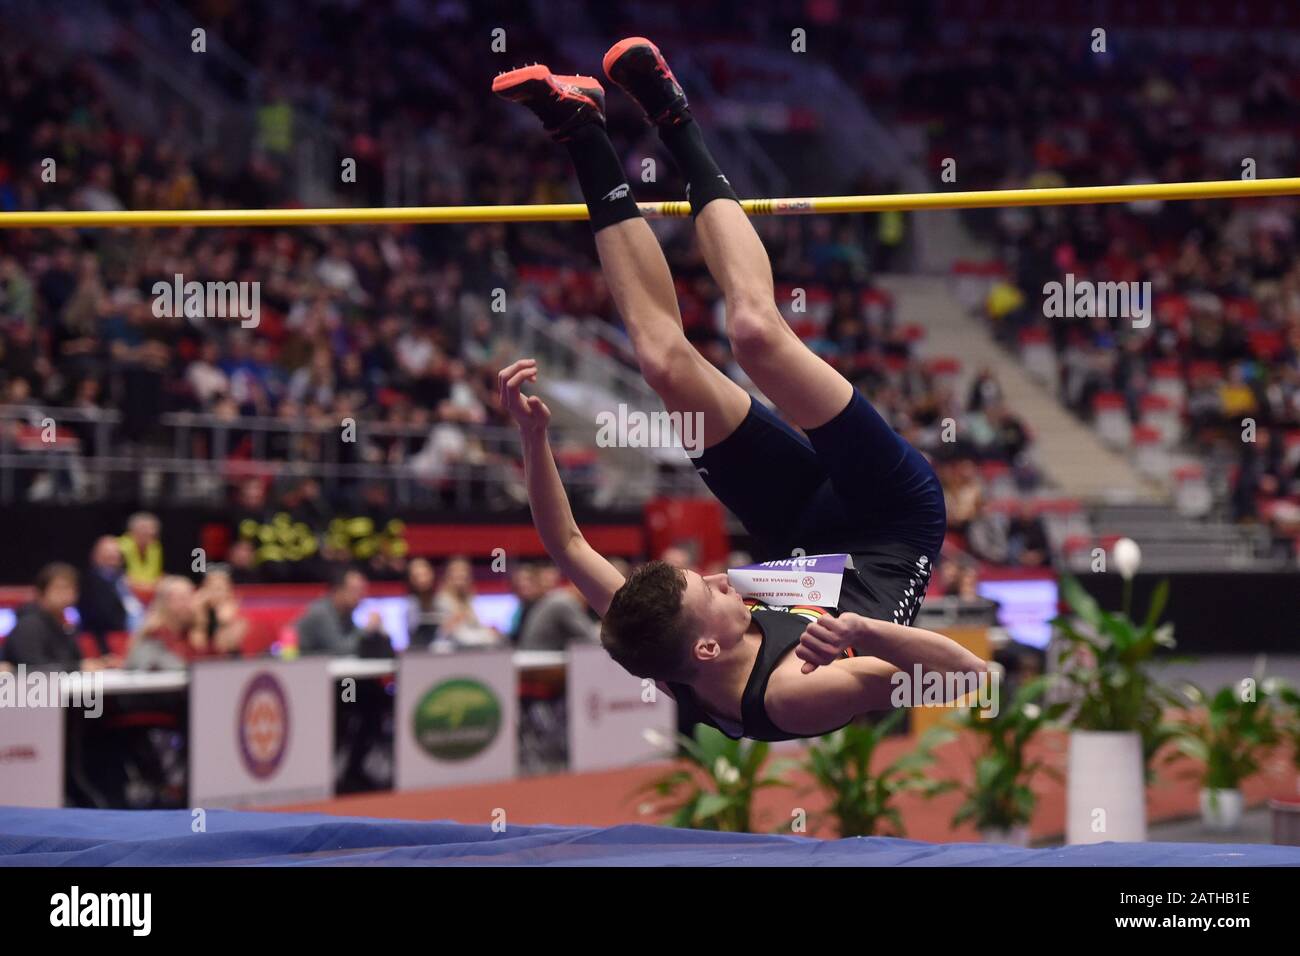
(595,577)
(832,690)
(825,639)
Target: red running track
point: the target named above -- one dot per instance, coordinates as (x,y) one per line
(607,798)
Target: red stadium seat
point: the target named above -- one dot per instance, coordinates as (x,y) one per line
(1146,435)
(1074,543)
(1062,507)
(1266,344)
(1241,311)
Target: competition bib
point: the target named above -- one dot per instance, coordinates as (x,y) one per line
(815,579)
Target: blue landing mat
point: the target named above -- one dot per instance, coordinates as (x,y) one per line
(30,837)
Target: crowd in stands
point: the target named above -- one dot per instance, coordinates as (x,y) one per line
(122,610)
(390,327)
(1030,108)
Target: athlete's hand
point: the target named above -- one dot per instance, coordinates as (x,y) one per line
(828,637)
(528,411)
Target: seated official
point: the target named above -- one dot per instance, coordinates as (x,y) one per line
(165,639)
(327,627)
(42,637)
(106,604)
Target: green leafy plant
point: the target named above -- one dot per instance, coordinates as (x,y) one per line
(861,803)
(1000,797)
(1232,737)
(713,786)
(1289,719)
(1106,658)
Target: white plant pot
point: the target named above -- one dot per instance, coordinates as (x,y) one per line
(1221,809)
(1105,798)
(1016,836)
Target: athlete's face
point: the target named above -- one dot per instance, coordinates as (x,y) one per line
(715,608)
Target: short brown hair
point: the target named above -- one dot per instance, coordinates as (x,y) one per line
(644,629)
(48,574)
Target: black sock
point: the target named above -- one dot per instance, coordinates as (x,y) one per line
(600,175)
(704,181)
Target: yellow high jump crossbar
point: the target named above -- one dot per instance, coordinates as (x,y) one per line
(563,212)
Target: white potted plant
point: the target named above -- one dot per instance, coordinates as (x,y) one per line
(1238,728)
(1117,720)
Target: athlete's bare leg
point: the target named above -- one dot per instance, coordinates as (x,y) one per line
(572,110)
(806,389)
(637,274)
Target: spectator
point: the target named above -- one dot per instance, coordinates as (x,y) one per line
(107,604)
(421,611)
(963,495)
(243,562)
(327,626)
(455,607)
(961,579)
(1259,473)
(164,640)
(42,637)
(677,556)
(219,625)
(985,390)
(1010,436)
(527,589)
(1027,538)
(988,538)
(142,550)
(558,618)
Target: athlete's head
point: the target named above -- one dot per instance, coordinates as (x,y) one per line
(666,623)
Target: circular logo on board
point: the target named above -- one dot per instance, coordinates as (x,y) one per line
(814,595)
(263,725)
(457,719)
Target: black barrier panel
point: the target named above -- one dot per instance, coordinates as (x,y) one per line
(1219,612)
(34,535)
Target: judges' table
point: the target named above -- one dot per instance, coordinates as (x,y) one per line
(147,682)
(262,731)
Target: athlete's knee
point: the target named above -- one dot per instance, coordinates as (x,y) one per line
(756,329)
(668,363)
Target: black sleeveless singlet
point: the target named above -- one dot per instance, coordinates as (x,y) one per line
(781,631)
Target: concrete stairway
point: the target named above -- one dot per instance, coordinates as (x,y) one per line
(1172,542)
(1067,450)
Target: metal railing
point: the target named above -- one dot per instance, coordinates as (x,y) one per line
(587,381)
(197,458)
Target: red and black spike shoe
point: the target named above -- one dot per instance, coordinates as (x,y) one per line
(562,103)
(637,66)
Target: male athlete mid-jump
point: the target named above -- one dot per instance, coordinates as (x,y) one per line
(848,484)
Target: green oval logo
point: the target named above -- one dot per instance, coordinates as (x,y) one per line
(457,719)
